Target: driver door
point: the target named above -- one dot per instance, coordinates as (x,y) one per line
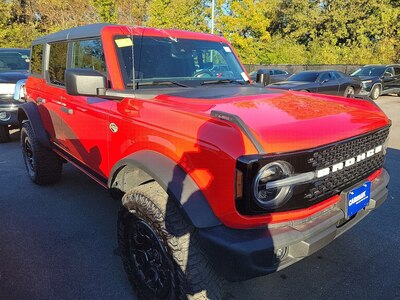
(328,84)
(389,81)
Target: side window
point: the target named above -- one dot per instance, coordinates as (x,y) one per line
(325,77)
(88,54)
(390,71)
(337,75)
(36,59)
(397,71)
(58,63)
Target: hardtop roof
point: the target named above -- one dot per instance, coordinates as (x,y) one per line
(86,31)
(94,30)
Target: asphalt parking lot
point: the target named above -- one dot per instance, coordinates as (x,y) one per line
(59,242)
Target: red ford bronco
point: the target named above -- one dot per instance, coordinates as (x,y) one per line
(220,179)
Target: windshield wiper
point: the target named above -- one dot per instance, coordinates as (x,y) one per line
(222,81)
(166,82)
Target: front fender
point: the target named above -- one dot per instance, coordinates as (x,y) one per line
(29,111)
(143,166)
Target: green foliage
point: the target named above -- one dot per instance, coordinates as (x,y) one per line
(106,10)
(245,23)
(267,32)
(281,50)
(177,14)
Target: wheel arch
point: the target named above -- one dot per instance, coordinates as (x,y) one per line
(144,166)
(29,111)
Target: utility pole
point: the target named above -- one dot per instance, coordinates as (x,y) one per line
(212,16)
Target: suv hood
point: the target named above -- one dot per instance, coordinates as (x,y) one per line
(12,76)
(366,77)
(283,121)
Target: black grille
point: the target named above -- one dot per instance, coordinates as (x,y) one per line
(340,152)
(309,194)
(335,182)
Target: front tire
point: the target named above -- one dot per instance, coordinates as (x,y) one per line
(4,134)
(43,165)
(160,250)
(376,92)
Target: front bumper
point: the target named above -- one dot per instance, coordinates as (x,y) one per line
(243,254)
(365,91)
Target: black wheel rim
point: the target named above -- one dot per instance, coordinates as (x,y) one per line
(150,259)
(28,154)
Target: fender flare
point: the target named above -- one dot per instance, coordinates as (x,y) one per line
(29,111)
(144,166)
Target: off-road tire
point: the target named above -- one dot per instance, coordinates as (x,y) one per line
(192,276)
(43,165)
(349,92)
(375,92)
(4,134)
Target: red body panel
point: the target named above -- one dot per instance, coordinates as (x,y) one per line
(183,130)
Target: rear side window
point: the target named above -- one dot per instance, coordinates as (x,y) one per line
(279,72)
(37,59)
(325,76)
(88,54)
(58,63)
(337,75)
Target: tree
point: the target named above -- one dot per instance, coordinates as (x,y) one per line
(106,9)
(132,12)
(178,14)
(245,23)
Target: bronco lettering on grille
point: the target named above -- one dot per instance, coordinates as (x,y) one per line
(348,162)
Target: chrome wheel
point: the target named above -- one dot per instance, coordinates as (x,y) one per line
(376,92)
(349,92)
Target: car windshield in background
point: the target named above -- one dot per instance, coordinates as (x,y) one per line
(170,61)
(304,76)
(14,60)
(369,71)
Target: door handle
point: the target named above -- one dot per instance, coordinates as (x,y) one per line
(67,110)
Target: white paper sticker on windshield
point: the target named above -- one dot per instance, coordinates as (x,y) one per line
(124,42)
(244,76)
(227,49)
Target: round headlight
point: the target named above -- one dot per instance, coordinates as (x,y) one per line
(272,197)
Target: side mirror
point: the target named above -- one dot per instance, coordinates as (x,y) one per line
(84,82)
(263,77)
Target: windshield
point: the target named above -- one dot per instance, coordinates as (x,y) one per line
(14,59)
(183,61)
(369,71)
(304,76)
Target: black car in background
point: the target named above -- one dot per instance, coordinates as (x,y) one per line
(14,65)
(275,75)
(325,82)
(379,80)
